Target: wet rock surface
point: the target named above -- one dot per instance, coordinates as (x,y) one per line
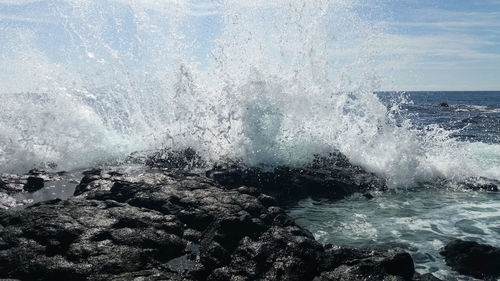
(166,158)
(473,259)
(12,184)
(176,226)
(331,177)
(482,184)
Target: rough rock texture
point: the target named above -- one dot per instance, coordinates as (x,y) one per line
(355,265)
(482,184)
(174,227)
(177,159)
(70,240)
(473,183)
(11,184)
(96,180)
(331,177)
(32,181)
(474,259)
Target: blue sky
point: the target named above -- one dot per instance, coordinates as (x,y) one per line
(421,45)
(446,44)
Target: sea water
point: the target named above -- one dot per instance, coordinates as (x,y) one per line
(419,221)
(422,219)
(268,82)
(89,82)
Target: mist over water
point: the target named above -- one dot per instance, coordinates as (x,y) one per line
(86,82)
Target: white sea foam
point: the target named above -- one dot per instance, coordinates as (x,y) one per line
(267,82)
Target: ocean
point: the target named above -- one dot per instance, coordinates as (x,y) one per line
(268,83)
(423,218)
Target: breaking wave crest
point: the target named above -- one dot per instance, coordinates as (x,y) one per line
(270,83)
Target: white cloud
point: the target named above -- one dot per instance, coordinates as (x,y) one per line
(17,18)
(443,45)
(18,2)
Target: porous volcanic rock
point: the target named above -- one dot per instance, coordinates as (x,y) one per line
(178,226)
(331,177)
(473,259)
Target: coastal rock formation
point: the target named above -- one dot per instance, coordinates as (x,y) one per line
(332,177)
(473,259)
(352,265)
(176,226)
(11,184)
(166,158)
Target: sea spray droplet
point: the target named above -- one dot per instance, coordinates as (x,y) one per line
(269,83)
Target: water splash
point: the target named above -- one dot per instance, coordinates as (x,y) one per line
(272,83)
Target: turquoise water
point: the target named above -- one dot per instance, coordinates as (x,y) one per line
(419,221)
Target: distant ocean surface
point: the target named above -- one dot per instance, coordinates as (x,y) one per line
(421,220)
(474,115)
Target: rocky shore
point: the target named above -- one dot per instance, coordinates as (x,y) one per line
(170,223)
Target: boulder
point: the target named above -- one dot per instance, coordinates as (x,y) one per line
(331,177)
(167,158)
(473,259)
(354,265)
(177,226)
(138,229)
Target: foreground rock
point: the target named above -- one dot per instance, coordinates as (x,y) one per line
(473,259)
(175,227)
(332,177)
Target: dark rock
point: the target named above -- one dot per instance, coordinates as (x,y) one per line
(425,277)
(482,183)
(472,183)
(12,184)
(473,259)
(331,177)
(400,264)
(141,224)
(181,226)
(351,264)
(444,104)
(95,180)
(175,159)
(368,196)
(33,184)
(46,176)
(32,181)
(78,239)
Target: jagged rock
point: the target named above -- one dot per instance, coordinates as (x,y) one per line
(180,226)
(7,201)
(354,265)
(96,180)
(33,184)
(331,177)
(138,227)
(77,239)
(12,185)
(175,159)
(473,259)
(472,183)
(32,181)
(482,183)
